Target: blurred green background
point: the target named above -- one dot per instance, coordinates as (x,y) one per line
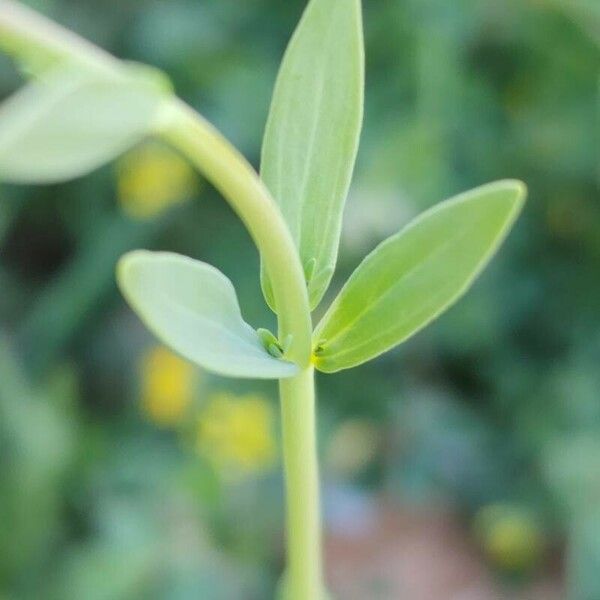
(465,462)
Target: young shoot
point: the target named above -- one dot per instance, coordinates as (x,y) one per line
(83,107)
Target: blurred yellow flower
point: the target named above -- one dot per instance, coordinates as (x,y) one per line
(511,538)
(167,386)
(236,433)
(152,178)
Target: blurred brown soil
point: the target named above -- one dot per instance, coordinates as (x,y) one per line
(404,555)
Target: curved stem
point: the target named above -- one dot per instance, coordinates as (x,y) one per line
(233,176)
(26,34)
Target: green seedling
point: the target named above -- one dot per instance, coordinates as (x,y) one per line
(83,107)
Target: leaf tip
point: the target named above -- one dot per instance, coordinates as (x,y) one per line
(126,264)
(516,187)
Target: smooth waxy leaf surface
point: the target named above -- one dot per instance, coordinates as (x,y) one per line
(192,307)
(312,133)
(69,122)
(415,275)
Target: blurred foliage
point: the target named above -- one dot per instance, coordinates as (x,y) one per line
(111,488)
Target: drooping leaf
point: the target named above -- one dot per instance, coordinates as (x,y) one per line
(413,276)
(192,307)
(311,138)
(70,122)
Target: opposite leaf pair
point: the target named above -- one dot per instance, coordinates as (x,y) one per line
(407,281)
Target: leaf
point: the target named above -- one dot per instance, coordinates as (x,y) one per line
(413,276)
(192,307)
(70,122)
(312,133)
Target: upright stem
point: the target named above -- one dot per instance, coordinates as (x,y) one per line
(238,182)
(303,578)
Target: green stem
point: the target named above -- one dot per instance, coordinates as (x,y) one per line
(233,176)
(28,35)
(303,578)
(238,182)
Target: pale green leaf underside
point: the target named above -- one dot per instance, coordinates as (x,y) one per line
(192,308)
(312,132)
(413,276)
(70,122)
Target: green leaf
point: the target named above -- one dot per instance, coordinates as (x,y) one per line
(70,122)
(312,133)
(192,307)
(413,276)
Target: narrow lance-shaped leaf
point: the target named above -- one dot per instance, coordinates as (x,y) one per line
(413,276)
(312,132)
(70,122)
(192,307)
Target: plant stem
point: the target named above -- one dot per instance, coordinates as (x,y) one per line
(32,37)
(27,34)
(229,172)
(303,578)
(239,183)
